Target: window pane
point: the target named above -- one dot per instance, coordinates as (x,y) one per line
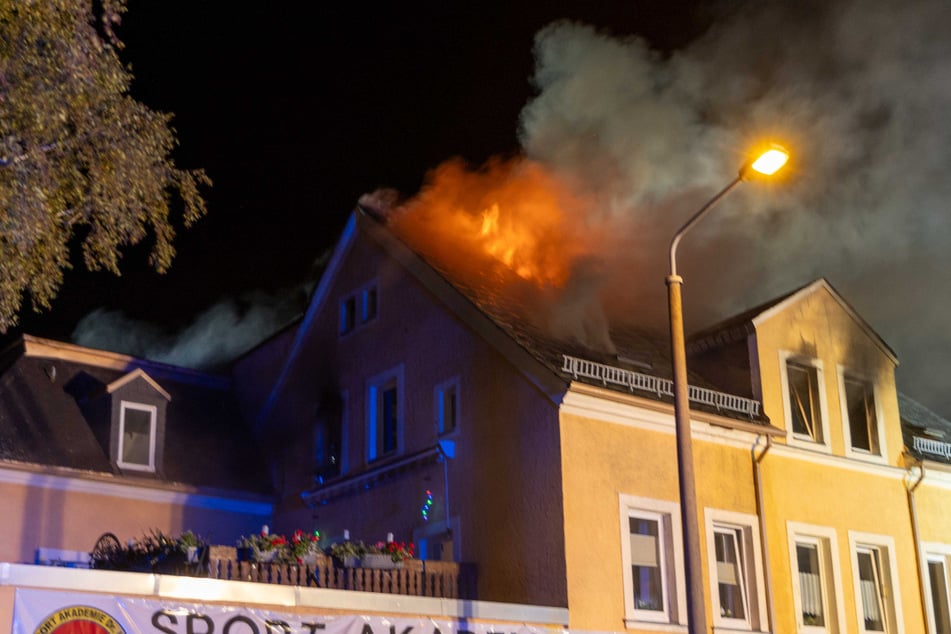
(348,314)
(646,560)
(871,590)
(810,584)
(387,428)
(804,400)
(939,596)
(136,436)
(730,584)
(860,402)
(447,410)
(369,304)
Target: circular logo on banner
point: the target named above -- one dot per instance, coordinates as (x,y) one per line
(79,619)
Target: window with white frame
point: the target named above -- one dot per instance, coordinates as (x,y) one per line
(877,602)
(804,401)
(137,431)
(652,554)
(938,587)
(736,578)
(816,578)
(860,413)
(446,401)
(384,408)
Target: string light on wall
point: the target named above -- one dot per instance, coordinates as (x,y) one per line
(427,505)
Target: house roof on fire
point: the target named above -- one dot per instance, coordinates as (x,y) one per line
(55,413)
(506,318)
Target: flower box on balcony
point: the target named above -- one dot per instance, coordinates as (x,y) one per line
(380,562)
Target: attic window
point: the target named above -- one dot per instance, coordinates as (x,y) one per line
(137,431)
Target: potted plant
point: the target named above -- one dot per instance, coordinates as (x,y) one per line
(347,554)
(304,547)
(263,547)
(389,554)
(193,545)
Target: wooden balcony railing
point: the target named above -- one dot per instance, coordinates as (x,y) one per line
(439,579)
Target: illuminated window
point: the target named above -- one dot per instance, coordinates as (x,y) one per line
(384,413)
(876,595)
(652,554)
(736,577)
(447,406)
(861,415)
(137,436)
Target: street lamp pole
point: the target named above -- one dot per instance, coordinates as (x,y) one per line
(696,608)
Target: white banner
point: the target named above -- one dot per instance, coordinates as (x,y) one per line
(50,612)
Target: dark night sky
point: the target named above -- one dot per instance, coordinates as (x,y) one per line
(297,109)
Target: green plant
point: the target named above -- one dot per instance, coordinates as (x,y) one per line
(342,550)
(303,544)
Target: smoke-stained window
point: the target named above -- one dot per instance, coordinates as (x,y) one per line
(804,405)
(861,413)
(329,430)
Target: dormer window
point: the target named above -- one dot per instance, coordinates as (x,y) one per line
(137,431)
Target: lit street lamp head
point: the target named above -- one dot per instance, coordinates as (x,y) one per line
(767,163)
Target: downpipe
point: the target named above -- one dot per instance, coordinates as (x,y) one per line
(915,532)
(757,459)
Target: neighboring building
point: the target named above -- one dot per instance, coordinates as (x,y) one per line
(551,467)
(94,442)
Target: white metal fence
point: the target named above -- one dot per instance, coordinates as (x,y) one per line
(661,387)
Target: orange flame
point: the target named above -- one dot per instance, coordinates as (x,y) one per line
(514,213)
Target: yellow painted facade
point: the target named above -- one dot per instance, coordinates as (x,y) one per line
(822,493)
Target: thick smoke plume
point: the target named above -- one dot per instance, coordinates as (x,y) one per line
(859,91)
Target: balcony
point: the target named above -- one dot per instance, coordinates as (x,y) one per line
(436,579)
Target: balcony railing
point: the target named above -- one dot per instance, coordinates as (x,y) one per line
(933,447)
(439,579)
(655,385)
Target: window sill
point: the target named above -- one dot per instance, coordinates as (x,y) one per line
(651,626)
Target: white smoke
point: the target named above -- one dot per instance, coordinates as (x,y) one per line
(859,90)
(216,336)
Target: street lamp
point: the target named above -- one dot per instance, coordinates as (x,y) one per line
(767,163)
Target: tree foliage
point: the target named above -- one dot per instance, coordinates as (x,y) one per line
(81,161)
